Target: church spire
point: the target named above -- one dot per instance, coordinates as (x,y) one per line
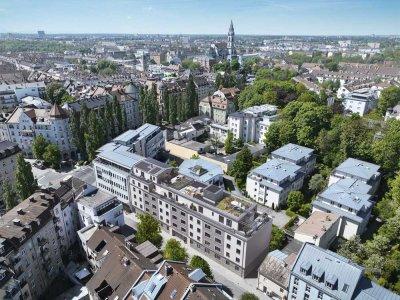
(231,29)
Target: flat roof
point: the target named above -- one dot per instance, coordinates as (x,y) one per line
(293,152)
(119,154)
(359,168)
(317,224)
(200,169)
(277,169)
(96,199)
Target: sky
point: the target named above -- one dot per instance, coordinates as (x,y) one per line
(261,17)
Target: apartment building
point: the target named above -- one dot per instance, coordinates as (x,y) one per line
(100,208)
(67,219)
(350,199)
(115,160)
(220,105)
(29,243)
(9,286)
(361,101)
(298,155)
(251,124)
(177,280)
(11,94)
(226,228)
(274,273)
(270,183)
(8,164)
(322,274)
(25,124)
(362,171)
(96,97)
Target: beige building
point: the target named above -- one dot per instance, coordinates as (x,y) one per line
(219,105)
(29,243)
(274,273)
(320,229)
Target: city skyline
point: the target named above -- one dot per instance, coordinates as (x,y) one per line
(255,17)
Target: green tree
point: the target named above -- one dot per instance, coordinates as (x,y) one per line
(110,120)
(173,163)
(277,238)
(52,156)
(148,229)
(198,262)
(95,135)
(353,249)
(172,109)
(390,96)
(386,151)
(9,195)
(117,112)
(248,296)
(195,156)
(166,105)
(242,165)
(219,81)
(39,147)
(54,92)
(173,250)
(25,183)
(124,120)
(391,201)
(192,104)
(229,149)
(317,183)
(239,143)
(295,200)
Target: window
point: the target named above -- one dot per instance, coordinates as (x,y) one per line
(217,248)
(228,246)
(218,231)
(227,254)
(308,288)
(320,295)
(200,209)
(329,285)
(218,240)
(345,288)
(198,230)
(306,296)
(228,237)
(221,219)
(296,281)
(207,226)
(237,251)
(315,277)
(239,242)
(237,259)
(207,234)
(190,218)
(294,291)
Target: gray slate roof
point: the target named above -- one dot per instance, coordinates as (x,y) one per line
(293,152)
(358,168)
(277,169)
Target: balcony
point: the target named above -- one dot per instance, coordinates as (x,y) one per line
(42,241)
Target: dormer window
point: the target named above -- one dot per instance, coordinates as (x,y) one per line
(315,277)
(329,285)
(305,267)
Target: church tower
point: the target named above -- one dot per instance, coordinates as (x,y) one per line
(231,42)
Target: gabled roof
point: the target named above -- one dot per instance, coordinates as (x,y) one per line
(57,112)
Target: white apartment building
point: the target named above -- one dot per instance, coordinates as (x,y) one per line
(356,169)
(361,101)
(298,155)
(11,94)
(100,208)
(8,163)
(115,160)
(251,124)
(270,183)
(224,227)
(25,124)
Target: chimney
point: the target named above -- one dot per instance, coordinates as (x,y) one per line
(168,270)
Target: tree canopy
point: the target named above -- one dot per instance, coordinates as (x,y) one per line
(39,147)
(173,250)
(25,183)
(242,165)
(198,262)
(148,229)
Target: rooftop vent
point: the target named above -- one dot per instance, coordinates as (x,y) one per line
(42,196)
(168,270)
(20,211)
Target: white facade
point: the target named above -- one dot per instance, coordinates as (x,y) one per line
(251,124)
(11,94)
(25,124)
(115,160)
(100,208)
(361,101)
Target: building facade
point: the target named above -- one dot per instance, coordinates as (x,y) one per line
(29,243)
(225,228)
(219,105)
(8,164)
(115,160)
(11,94)
(25,124)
